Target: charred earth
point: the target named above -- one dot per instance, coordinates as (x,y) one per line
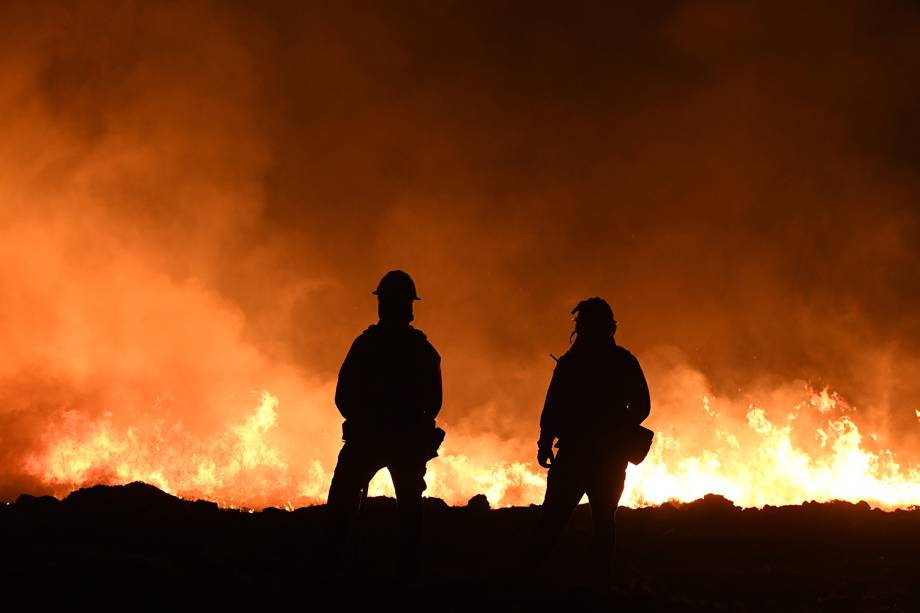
(134,546)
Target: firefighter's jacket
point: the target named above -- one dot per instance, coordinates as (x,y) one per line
(389,383)
(596,390)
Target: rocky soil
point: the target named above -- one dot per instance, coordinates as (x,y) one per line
(135,547)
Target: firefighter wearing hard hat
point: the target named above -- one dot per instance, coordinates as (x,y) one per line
(596,400)
(389,392)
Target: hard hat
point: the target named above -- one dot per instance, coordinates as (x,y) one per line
(396,284)
(594,310)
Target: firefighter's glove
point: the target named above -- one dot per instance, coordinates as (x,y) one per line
(545,456)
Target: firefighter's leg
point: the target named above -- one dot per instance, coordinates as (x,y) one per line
(604,493)
(409,482)
(564,489)
(353,471)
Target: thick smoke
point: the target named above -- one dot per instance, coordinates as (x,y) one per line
(197,198)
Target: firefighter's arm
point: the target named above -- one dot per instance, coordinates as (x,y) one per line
(639,404)
(433,393)
(549,418)
(348,387)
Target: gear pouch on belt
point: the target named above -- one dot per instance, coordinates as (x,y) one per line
(432,441)
(636,441)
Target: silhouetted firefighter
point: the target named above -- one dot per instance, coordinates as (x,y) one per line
(389,392)
(595,402)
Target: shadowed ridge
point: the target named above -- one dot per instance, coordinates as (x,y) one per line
(840,506)
(478,504)
(819,556)
(37,504)
(136,497)
(710,503)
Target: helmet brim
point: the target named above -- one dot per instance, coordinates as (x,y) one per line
(376,293)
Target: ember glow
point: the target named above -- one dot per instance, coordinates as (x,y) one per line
(753,463)
(196,200)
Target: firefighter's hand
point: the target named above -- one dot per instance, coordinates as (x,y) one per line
(545,456)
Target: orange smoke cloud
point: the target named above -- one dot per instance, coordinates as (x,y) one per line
(195,201)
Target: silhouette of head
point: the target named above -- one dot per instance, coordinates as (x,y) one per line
(395,295)
(594,320)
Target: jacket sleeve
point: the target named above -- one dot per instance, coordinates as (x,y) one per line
(638,401)
(432,394)
(348,387)
(552,410)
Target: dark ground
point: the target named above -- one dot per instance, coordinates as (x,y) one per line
(129,547)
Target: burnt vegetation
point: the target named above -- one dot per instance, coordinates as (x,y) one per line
(134,546)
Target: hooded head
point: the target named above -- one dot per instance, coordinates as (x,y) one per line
(594,320)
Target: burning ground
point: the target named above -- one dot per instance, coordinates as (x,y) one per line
(813,451)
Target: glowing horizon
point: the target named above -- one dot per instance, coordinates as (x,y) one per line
(753,464)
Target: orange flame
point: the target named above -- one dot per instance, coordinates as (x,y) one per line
(808,454)
(762,464)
